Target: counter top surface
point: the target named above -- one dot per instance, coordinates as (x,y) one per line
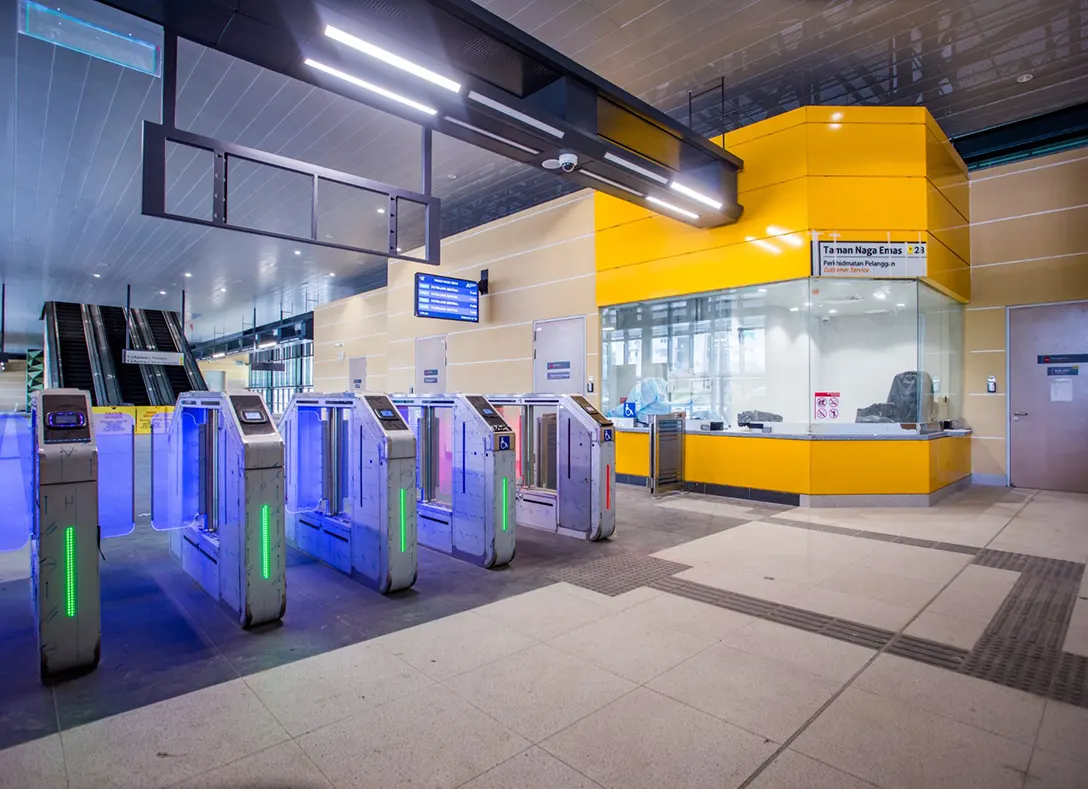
(817,436)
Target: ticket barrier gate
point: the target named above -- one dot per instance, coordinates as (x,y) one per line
(465,476)
(217,486)
(566,464)
(66,482)
(350,468)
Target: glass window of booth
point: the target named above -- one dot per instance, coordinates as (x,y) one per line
(882,352)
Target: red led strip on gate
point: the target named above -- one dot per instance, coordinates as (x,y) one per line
(608,487)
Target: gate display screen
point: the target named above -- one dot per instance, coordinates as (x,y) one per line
(447,298)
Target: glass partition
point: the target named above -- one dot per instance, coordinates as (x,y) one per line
(16,480)
(113,434)
(160,476)
(443,457)
(818,355)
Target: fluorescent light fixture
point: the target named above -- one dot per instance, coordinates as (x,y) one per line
(831,312)
(162,292)
(222,290)
(761,290)
(187,274)
(670,207)
(336,34)
(298,251)
(97,276)
(492,136)
(265,345)
(218,355)
(635,168)
(610,182)
(794,309)
(381,210)
(371,87)
(694,195)
(332,273)
(516,115)
(900,305)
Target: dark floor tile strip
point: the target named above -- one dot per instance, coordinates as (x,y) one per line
(899,539)
(926,651)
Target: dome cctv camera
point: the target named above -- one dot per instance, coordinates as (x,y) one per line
(567,162)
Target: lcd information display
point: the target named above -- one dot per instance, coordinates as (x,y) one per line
(447,298)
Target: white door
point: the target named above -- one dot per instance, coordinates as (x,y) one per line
(357,374)
(431,365)
(559,356)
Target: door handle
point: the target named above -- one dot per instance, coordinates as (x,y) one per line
(1019,413)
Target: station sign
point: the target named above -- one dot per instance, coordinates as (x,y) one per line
(894,259)
(170,358)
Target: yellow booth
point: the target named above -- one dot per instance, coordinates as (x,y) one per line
(816,345)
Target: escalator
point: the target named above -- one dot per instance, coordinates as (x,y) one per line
(71,341)
(164,341)
(129,376)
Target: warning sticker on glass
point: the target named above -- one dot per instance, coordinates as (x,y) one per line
(825,406)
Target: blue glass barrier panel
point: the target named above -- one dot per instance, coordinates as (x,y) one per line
(160,471)
(113,433)
(16,480)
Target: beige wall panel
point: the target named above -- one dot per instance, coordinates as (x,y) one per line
(1047,187)
(977,367)
(554,300)
(486,344)
(986,414)
(987,456)
(491,378)
(1030,237)
(1030,164)
(1039,281)
(983,330)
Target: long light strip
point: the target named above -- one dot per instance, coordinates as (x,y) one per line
(694,195)
(516,115)
(266,548)
(336,34)
(70,571)
(670,207)
(504,506)
(403,527)
(486,133)
(610,182)
(372,88)
(635,168)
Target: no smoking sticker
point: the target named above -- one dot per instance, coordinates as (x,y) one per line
(825,405)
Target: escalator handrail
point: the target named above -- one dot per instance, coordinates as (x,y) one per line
(196,378)
(93,358)
(150,373)
(54,371)
(113,383)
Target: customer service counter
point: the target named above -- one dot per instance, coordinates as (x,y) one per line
(904,468)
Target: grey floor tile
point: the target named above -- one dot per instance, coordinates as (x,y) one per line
(887,587)
(283,766)
(620,602)
(977,593)
(539,691)
(155,745)
(454,644)
(1064,730)
(855,608)
(38,764)
(532,769)
(887,742)
(671,612)
(945,629)
(648,741)
(756,693)
(820,655)
(627,645)
(792,770)
(428,739)
(1054,771)
(1005,711)
(543,613)
(311,693)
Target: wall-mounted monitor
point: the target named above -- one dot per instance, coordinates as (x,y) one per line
(447,298)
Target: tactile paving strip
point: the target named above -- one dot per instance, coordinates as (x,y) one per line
(852,632)
(925,651)
(615,575)
(898,539)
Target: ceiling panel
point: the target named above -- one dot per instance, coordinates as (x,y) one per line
(73,207)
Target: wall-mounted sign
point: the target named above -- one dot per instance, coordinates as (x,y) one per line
(430,379)
(558,365)
(1064,358)
(869,259)
(268,367)
(560,375)
(154,357)
(825,405)
(1070,370)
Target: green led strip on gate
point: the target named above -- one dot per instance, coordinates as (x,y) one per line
(266,558)
(70,571)
(504,524)
(403,537)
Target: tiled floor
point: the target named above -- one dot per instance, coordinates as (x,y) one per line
(711,643)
